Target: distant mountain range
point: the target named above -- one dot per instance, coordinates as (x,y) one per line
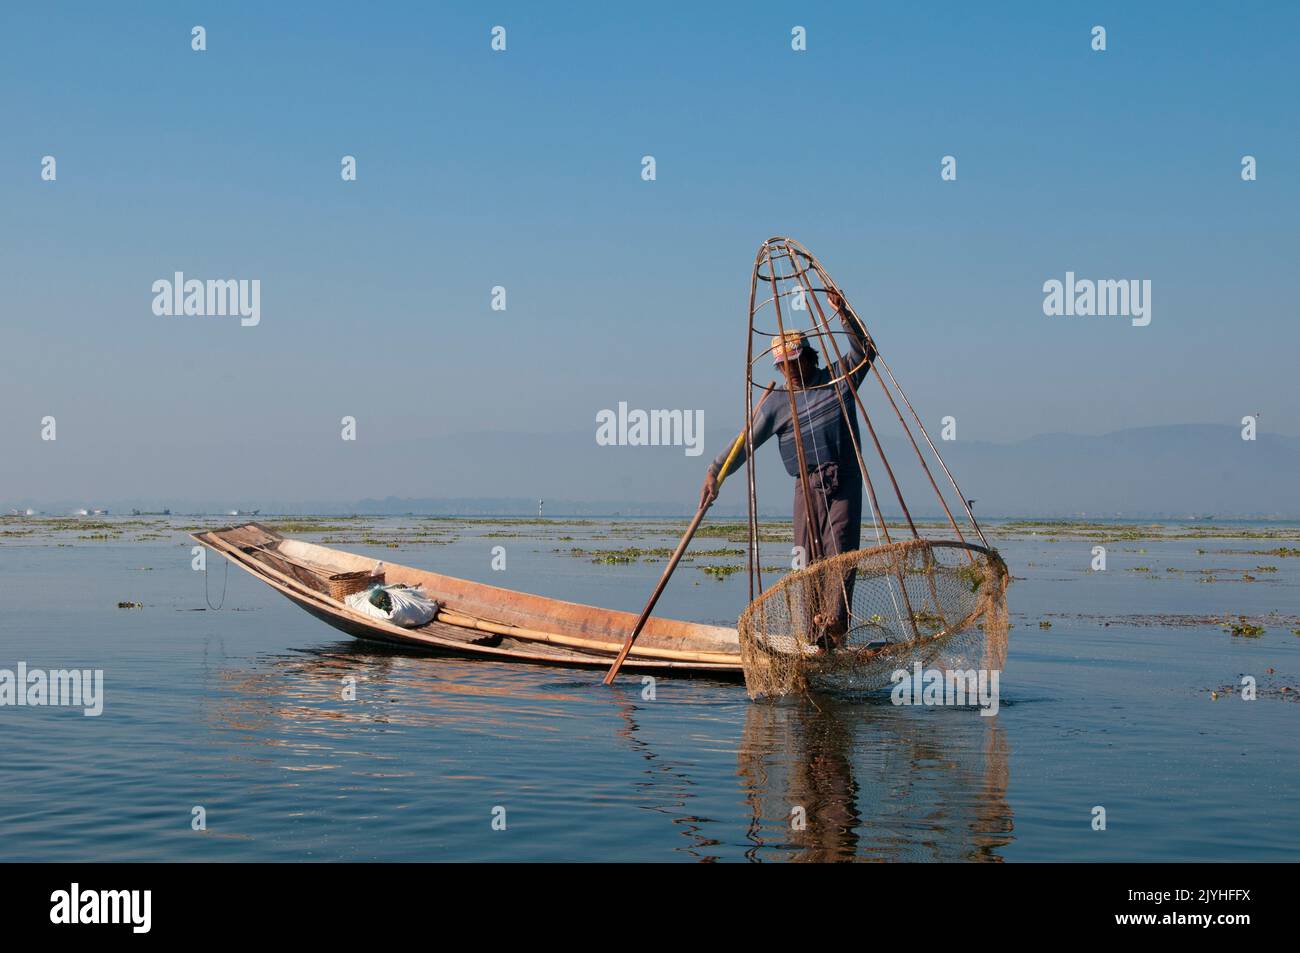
(1180,471)
(1191,470)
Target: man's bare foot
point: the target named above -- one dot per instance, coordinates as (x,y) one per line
(831,636)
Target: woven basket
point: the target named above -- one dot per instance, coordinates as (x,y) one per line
(344,584)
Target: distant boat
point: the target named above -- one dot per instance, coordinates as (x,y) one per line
(243,512)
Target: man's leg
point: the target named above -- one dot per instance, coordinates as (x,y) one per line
(809,536)
(842,534)
(803,535)
(803,532)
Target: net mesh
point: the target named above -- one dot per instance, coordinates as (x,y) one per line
(846,623)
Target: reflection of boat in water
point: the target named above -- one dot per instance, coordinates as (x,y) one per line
(832,780)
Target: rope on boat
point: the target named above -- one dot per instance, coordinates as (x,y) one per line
(225,580)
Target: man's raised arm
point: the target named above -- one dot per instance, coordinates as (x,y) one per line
(862,350)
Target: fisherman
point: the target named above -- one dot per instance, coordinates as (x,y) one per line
(828,425)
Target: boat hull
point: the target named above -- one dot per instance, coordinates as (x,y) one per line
(491,623)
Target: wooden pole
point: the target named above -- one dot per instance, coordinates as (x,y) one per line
(678,553)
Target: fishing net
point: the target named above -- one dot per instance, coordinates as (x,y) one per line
(848,622)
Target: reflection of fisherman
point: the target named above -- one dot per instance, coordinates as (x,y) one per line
(845,766)
(828,425)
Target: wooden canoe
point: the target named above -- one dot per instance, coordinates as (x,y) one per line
(477,619)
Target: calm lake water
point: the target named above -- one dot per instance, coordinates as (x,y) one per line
(240,711)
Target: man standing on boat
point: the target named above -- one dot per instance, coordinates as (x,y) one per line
(828,425)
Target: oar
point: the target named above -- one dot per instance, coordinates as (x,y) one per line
(677,553)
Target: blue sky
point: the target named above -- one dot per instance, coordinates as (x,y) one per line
(522,169)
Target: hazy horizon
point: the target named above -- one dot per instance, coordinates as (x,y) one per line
(1181,471)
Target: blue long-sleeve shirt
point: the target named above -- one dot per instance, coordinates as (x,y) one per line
(827,436)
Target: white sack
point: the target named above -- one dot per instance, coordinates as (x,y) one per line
(411,607)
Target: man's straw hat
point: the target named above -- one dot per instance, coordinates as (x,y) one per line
(787,346)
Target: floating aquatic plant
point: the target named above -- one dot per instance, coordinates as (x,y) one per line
(1244,628)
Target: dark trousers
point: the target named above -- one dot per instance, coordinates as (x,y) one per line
(834,526)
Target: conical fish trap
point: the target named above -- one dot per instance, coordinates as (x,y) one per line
(939,603)
(848,622)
